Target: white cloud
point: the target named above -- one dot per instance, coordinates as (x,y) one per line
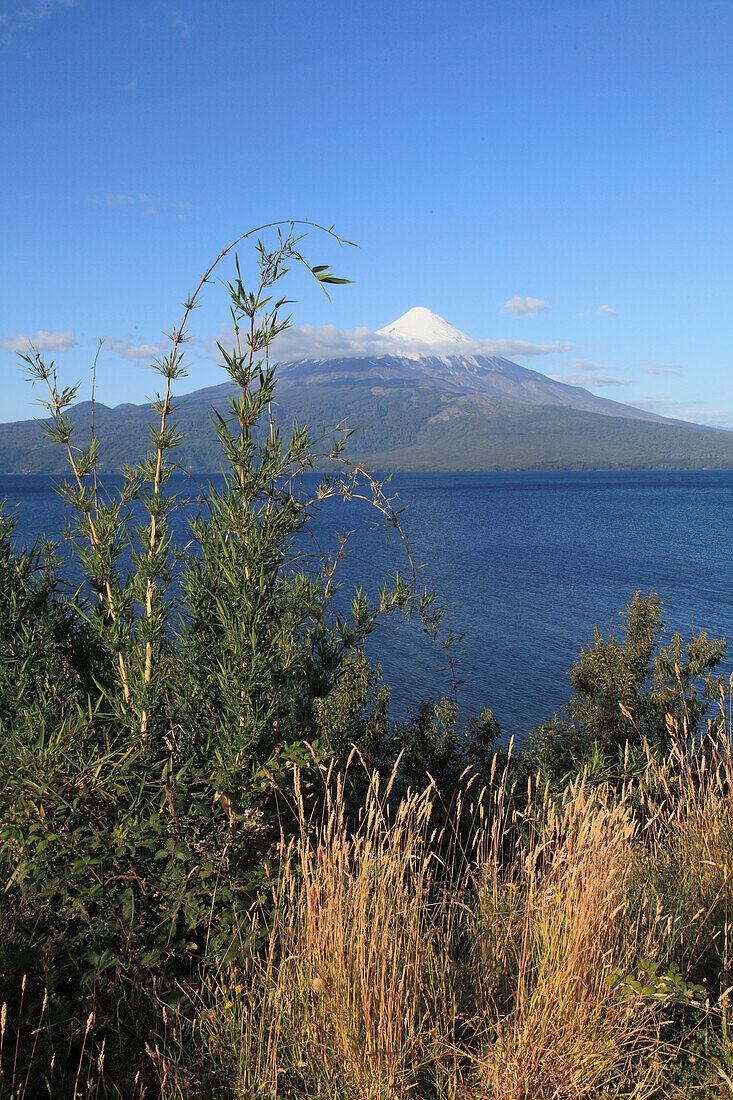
(519,349)
(42,341)
(26,16)
(329,342)
(663,368)
(590,378)
(129,350)
(608,310)
(326,341)
(524,307)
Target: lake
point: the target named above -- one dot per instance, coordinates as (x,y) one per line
(528,563)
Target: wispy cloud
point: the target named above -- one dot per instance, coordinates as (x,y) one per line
(118,200)
(42,341)
(608,310)
(329,342)
(588,366)
(140,199)
(587,373)
(658,404)
(182,22)
(714,418)
(663,368)
(690,409)
(127,349)
(590,378)
(26,16)
(525,307)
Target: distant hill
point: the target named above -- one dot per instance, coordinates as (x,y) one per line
(437,407)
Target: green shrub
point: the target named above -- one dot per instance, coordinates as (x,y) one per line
(628,692)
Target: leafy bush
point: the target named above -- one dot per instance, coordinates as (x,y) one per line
(432,740)
(631,691)
(48,654)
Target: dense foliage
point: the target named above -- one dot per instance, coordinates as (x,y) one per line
(150,721)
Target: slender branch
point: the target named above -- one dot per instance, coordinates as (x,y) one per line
(56,408)
(179,336)
(94,391)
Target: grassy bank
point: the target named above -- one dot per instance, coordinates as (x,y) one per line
(514,944)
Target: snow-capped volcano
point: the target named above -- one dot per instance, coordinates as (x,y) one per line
(421,326)
(422,349)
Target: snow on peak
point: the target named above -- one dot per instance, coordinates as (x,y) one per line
(421,326)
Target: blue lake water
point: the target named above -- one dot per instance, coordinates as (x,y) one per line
(528,563)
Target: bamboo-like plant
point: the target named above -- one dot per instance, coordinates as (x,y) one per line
(167,788)
(134,604)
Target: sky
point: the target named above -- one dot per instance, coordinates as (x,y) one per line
(553,178)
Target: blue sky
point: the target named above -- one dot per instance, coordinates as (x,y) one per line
(553,176)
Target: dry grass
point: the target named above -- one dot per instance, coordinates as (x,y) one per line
(511,965)
(568,1029)
(685,858)
(554,953)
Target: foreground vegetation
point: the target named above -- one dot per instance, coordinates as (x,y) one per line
(227,872)
(533,943)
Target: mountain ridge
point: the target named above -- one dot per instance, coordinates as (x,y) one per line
(432,401)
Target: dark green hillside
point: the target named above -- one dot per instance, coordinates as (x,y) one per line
(474,434)
(400,427)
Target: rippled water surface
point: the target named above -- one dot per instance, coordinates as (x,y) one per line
(529,563)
